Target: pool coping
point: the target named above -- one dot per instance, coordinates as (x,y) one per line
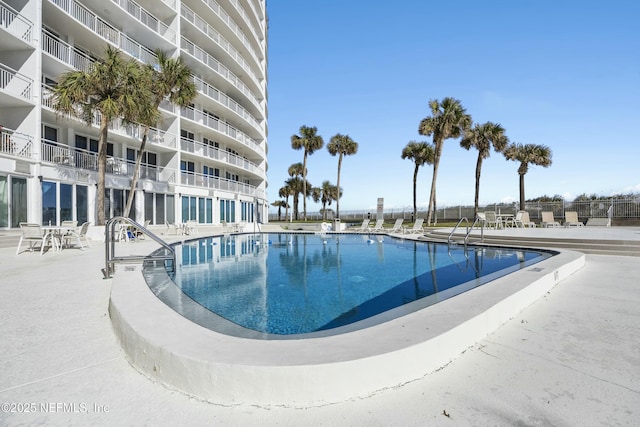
(229,370)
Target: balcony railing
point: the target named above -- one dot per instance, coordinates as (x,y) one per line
(65,52)
(201,149)
(225,100)
(65,156)
(15,144)
(15,83)
(15,23)
(214,35)
(215,182)
(146,18)
(219,68)
(221,126)
(106,30)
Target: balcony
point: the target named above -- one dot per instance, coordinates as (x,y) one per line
(14,83)
(204,150)
(217,67)
(222,127)
(216,183)
(64,52)
(105,30)
(147,19)
(214,35)
(15,23)
(15,144)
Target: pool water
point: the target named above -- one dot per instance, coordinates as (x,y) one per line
(283,284)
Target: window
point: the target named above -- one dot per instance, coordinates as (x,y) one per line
(82,200)
(66,202)
(50,134)
(49,201)
(18,201)
(246,211)
(227,210)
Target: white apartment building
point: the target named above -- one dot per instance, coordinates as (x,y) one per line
(206,162)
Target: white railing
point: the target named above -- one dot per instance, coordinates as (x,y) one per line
(213,93)
(204,150)
(216,66)
(65,52)
(15,144)
(235,28)
(15,23)
(215,182)
(106,30)
(146,18)
(214,35)
(15,83)
(221,126)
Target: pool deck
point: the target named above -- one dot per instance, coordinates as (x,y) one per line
(570,358)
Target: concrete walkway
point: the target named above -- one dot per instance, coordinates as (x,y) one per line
(572,358)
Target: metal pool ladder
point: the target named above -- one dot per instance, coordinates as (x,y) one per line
(468,230)
(110,247)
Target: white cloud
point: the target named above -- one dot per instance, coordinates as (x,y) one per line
(567,196)
(631,189)
(507,199)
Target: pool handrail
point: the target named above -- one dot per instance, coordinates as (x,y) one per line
(110,247)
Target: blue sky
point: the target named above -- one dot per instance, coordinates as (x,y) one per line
(565,74)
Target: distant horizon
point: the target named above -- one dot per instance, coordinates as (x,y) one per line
(572,85)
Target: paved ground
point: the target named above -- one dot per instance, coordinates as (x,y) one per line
(570,359)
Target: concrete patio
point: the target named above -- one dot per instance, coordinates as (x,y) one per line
(571,358)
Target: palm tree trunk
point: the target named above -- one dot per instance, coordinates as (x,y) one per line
(136,173)
(521,191)
(102,167)
(477,198)
(432,197)
(304,187)
(415,187)
(338,185)
(286,208)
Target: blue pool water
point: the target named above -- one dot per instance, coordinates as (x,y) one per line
(286,284)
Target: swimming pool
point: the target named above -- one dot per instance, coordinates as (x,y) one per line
(279,286)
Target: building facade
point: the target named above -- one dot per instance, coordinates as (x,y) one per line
(206,162)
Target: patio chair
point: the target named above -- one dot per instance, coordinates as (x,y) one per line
(548,220)
(516,221)
(177,228)
(417,227)
(492,220)
(482,219)
(33,234)
(364,226)
(526,221)
(379,226)
(191,227)
(79,235)
(397,227)
(571,218)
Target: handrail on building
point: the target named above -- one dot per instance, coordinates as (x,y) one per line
(110,247)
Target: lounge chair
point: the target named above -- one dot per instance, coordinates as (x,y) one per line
(363,227)
(79,235)
(526,221)
(571,218)
(417,227)
(379,226)
(191,227)
(397,227)
(548,220)
(482,219)
(177,228)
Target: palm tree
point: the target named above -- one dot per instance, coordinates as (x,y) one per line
(295,184)
(420,153)
(279,204)
(285,192)
(527,153)
(109,89)
(310,142)
(482,137)
(344,146)
(326,194)
(449,119)
(170,79)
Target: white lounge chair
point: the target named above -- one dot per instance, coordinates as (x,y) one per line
(492,220)
(417,227)
(571,218)
(548,220)
(379,226)
(397,227)
(363,227)
(526,221)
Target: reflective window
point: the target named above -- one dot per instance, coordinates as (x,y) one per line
(49,196)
